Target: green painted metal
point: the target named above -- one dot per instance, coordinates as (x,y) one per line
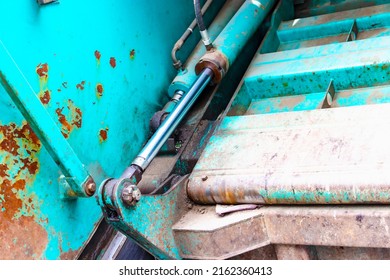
(318,7)
(241,27)
(42,124)
(155,232)
(292,71)
(299,58)
(185,78)
(101,70)
(150,221)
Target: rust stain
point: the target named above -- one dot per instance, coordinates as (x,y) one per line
(113,62)
(42,70)
(9,142)
(99,90)
(66,127)
(3,170)
(103,133)
(23,239)
(80,86)
(98,56)
(69,255)
(132,54)
(8,193)
(71,120)
(22,235)
(45,97)
(290,102)
(30,165)
(78,117)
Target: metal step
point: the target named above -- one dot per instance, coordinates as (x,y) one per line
(329,156)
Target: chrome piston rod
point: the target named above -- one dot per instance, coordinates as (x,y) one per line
(162,134)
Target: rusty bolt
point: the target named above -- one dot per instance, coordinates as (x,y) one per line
(204,178)
(131,195)
(89,187)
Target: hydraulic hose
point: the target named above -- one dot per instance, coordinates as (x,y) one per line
(176,62)
(203,31)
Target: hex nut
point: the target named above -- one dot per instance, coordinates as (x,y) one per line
(131,195)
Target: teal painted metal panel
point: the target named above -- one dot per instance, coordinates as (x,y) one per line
(295,78)
(101,70)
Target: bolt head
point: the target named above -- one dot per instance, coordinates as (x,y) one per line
(131,195)
(90,188)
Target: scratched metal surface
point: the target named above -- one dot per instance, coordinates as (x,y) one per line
(99,69)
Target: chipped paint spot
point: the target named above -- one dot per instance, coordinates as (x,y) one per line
(103,135)
(98,56)
(81,85)
(99,90)
(113,62)
(43,74)
(42,70)
(3,170)
(45,98)
(69,255)
(78,115)
(132,54)
(66,128)
(70,117)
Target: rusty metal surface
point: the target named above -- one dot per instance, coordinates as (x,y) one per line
(347,226)
(295,252)
(22,231)
(329,156)
(350,253)
(152,230)
(83,65)
(296,232)
(319,7)
(263,253)
(202,234)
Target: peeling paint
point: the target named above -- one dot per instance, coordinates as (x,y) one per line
(80,85)
(45,98)
(113,62)
(98,56)
(42,70)
(44,94)
(22,232)
(70,117)
(99,90)
(103,133)
(132,54)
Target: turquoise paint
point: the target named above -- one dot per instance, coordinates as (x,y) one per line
(240,28)
(33,110)
(285,104)
(150,221)
(65,36)
(319,7)
(308,197)
(294,79)
(185,78)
